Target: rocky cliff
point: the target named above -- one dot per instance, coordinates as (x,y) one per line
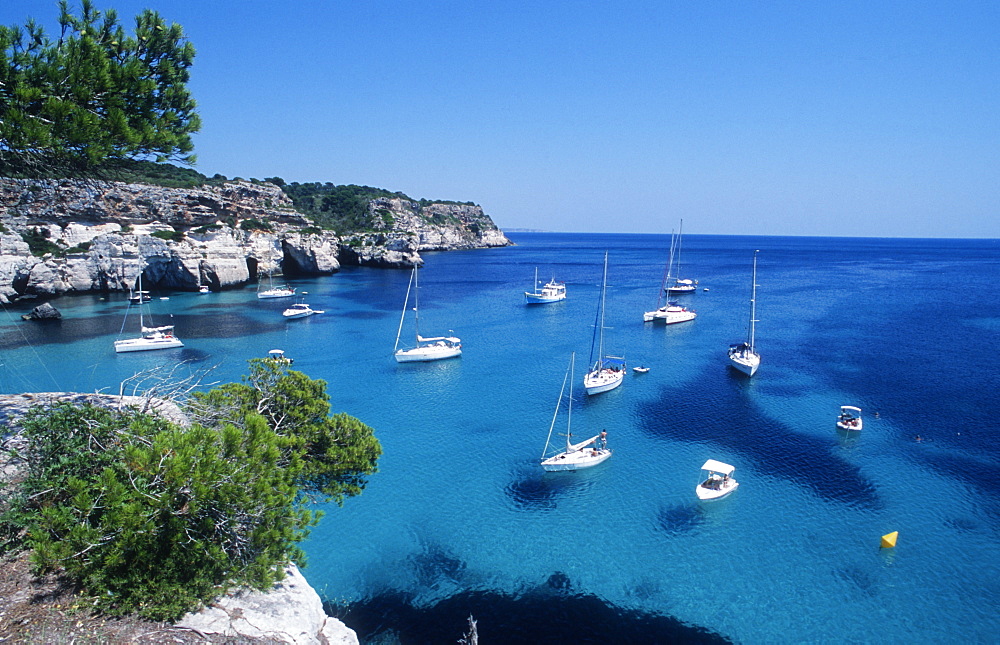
(94,235)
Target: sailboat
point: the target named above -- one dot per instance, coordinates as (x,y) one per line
(671,312)
(426,349)
(282,291)
(551,292)
(744,356)
(679,286)
(607,372)
(577,455)
(149,337)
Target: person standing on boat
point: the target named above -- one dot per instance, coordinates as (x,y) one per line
(603,441)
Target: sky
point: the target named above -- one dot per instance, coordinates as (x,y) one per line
(870,118)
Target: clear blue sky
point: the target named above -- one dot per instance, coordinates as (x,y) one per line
(774,118)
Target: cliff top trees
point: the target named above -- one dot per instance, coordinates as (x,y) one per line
(146,517)
(95,95)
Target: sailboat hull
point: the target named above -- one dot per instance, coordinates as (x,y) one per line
(146,344)
(747,364)
(603,380)
(576,460)
(427,353)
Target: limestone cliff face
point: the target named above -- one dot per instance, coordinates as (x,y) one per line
(220,236)
(398,229)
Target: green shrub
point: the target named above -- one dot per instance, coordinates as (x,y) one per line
(170,236)
(149,518)
(39,243)
(255,225)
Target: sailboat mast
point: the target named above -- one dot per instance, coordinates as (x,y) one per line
(604,288)
(416,303)
(680,240)
(569,414)
(406,303)
(753,300)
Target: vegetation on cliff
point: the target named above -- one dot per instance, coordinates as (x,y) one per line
(150,518)
(95,95)
(344,208)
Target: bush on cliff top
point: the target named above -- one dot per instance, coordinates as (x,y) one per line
(150,518)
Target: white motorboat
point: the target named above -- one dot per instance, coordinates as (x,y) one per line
(576,456)
(744,356)
(719,482)
(606,372)
(550,292)
(675,284)
(640,369)
(278,356)
(432,348)
(281,291)
(203,289)
(150,338)
(300,310)
(849,418)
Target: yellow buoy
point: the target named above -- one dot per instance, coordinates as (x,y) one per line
(889,540)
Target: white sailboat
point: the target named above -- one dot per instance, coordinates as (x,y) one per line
(551,292)
(719,483)
(281,291)
(672,312)
(576,455)
(744,356)
(675,284)
(149,337)
(426,349)
(606,372)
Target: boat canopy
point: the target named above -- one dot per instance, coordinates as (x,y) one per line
(276,352)
(685,282)
(151,330)
(718,467)
(450,339)
(614,360)
(850,408)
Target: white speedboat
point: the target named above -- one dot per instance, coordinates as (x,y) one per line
(432,348)
(551,292)
(281,291)
(719,482)
(744,356)
(300,310)
(576,456)
(606,372)
(849,418)
(278,356)
(150,338)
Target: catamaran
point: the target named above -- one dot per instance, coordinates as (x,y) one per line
(744,356)
(606,372)
(425,349)
(576,455)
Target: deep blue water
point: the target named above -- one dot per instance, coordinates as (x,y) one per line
(460,519)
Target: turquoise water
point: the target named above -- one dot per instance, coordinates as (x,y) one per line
(461,519)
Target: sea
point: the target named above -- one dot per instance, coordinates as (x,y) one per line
(460,520)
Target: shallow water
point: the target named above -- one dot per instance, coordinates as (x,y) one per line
(461,519)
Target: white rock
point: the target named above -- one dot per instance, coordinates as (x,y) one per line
(292,613)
